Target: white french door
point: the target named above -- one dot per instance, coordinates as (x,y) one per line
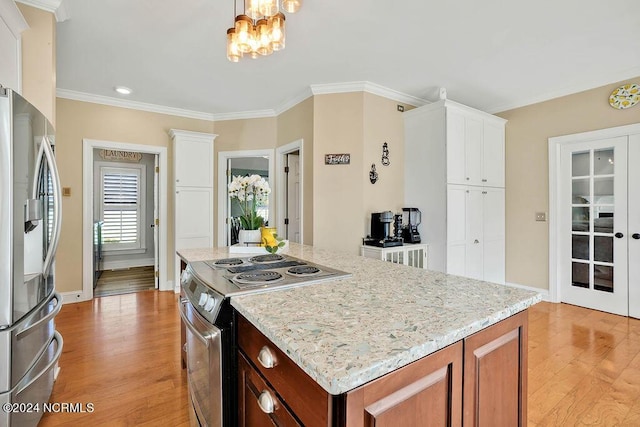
(634,226)
(598,204)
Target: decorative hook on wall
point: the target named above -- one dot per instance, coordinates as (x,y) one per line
(373,175)
(385,155)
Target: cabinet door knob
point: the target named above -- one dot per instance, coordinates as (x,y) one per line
(476,241)
(265,402)
(467,178)
(636,236)
(266,358)
(484,180)
(619,235)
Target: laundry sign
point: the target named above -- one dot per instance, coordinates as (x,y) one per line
(120,156)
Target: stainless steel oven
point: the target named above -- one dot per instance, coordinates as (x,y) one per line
(204,367)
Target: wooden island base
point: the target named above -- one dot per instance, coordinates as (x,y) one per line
(478,381)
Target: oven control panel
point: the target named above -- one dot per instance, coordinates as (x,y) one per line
(204,299)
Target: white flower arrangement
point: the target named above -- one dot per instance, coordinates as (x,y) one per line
(250,191)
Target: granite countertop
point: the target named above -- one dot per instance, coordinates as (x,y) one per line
(347,332)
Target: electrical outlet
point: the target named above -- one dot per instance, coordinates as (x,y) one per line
(541,216)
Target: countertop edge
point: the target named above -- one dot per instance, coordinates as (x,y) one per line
(347,383)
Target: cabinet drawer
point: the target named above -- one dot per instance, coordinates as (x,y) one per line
(310,402)
(258,403)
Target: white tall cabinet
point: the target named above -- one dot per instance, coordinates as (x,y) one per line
(193,185)
(12,24)
(454,173)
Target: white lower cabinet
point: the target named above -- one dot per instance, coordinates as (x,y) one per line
(475,232)
(411,254)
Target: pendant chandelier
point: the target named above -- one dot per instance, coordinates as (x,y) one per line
(260,30)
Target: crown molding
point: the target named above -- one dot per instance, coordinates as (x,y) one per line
(322,89)
(292,102)
(11,16)
(255,114)
(364,86)
(57,7)
(116,102)
(570,90)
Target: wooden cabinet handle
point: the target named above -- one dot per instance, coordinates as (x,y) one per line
(266,358)
(265,402)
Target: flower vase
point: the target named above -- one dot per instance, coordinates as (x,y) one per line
(249,237)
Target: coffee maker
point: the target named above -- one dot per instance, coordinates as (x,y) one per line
(411,219)
(381,231)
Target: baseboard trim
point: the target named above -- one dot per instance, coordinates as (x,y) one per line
(127,263)
(544,292)
(73,296)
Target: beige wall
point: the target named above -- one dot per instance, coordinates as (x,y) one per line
(294,124)
(527,171)
(39,60)
(382,123)
(78,120)
(338,189)
(358,124)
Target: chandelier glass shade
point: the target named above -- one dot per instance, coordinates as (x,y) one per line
(260,30)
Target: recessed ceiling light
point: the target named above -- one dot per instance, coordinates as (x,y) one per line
(122,90)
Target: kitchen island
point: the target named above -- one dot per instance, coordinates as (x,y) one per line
(368,347)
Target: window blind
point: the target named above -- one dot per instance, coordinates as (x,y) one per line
(121,206)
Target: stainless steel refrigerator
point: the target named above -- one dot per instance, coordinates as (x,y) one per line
(30,220)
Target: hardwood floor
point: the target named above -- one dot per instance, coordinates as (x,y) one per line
(584,367)
(122,354)
(116,282)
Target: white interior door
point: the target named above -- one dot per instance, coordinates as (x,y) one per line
(593,215)
(156,215)
(634,226)
(293,198)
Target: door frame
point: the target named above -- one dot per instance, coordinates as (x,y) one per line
(223,157)
(281,183)
(555,172)
(88,146)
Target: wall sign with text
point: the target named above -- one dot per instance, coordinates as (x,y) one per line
(337,159)
(120,156)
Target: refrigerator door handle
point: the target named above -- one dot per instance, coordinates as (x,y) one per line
(33,209)
(58,339)
(33,326)
(57,203)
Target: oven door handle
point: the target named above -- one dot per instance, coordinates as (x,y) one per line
(203,336)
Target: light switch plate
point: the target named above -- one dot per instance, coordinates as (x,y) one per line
(541,216)
(66,191)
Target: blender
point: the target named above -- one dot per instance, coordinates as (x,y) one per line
(411,219)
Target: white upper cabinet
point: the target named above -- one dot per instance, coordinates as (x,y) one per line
(193,158)
(12,24)
(475,147)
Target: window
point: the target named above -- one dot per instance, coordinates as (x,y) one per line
(122,207)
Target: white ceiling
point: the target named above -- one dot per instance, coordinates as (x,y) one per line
(489,54)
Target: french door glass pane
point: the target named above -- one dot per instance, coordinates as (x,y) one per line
(603,162)
(580,190)
(580,164)
(603,190)
(580,218)
(603,278)
(603,249)
(580,247)
(580,275)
